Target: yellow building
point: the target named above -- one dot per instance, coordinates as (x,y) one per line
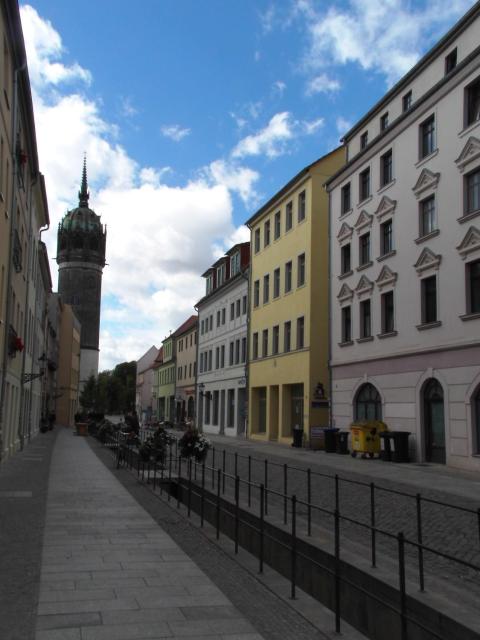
(68,375)
(288,333)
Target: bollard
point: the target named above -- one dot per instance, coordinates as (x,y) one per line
(285,497)
(337,571)
(224,455)
(421,576)
(249,481)
(262,516)
(202,500)
(309,502)
(372,523)
(401,581)
(189,485)
(266,487)
(219,471)
(293,568)
(237,505)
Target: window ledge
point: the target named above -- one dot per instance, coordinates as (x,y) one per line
(365,266)
(429,325)
(362,203)
(301,286)
(390,334)
(470,316)
(348,343)
(366,339)
(386,186)
(386,255)
(342,276)
(426,158)
(468,216)
(287,293)
(345,214)
(301,221)
(469,128)
(428,236)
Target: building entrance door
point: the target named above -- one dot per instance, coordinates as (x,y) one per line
(296,417)
(434,427)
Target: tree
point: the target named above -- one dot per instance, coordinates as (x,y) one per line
(89,394)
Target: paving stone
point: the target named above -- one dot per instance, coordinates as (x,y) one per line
(68,620)
(142,615)
(210,613)
(76,595)
(58,634)
(134,631)
(85,606)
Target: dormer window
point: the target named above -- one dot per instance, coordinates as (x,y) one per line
(235,264)
(209,283)
(220,274)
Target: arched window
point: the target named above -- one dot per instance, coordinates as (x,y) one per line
(368,404)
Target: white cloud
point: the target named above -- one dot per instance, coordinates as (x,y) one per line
(126,108)
(235,178)
(387,36)
(322,84)
(175,132)
(44,49)
(313,126)
(269,141)
(267,19)
(160,237)
(279,86)
(343,125)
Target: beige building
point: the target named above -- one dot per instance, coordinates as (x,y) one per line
(288,331)
(23,212)
(186,350)
(68,375)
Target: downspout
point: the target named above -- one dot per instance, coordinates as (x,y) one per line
(10,251)
(197,396)
(247,359)
(329,290)
(21,426)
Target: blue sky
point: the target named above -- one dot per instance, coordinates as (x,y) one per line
(192,115)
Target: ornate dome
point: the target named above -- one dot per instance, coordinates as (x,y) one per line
(82,218)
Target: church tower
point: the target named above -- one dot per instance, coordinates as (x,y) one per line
(81,257)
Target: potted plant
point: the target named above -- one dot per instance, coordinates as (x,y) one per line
(194,444)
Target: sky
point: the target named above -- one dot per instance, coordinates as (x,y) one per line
(193,114)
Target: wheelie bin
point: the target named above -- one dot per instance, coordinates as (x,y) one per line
(297,436)
(342,442)
(366,438)
(330,440)
(400,446)
(386,445)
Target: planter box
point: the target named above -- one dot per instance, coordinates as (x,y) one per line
(82,428)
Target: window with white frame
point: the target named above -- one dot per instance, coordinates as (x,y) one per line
(473,286)
(301,206)
(472,102)
(386,237)
(472,192)
(388,315)
(429,299)
(427,137)
(277,226)
(235,264)
(365,319)
(427,216)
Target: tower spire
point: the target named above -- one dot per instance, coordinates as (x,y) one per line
(83,194)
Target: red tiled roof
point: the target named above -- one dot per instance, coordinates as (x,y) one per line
(186,326)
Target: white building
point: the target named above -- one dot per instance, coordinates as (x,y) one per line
(222,345)
(405,257)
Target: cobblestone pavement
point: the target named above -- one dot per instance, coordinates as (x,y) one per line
(445,529)
(23,494)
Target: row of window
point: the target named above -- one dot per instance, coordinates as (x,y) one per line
(166,376)
(288,277)
(274,348)
(426,146)
(277,222)
(471,102)
(212,408)
(182,371)
(237,308)
(427,224)
(215,280)
(237,354)
(429,306)
(184,342)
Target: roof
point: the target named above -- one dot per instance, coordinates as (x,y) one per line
(186,326)
(287,188)
(159,359)
(236,247)
(442,44)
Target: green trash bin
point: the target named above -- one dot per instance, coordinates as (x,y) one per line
(331,440)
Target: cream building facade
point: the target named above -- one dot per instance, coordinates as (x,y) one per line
(405,257)
(68,375)
(186,350)
(222,345)
(23,213)
(288,330)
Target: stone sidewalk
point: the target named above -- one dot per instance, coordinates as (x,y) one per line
(110,572)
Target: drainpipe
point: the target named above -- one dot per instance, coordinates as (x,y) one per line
(21,426)
(196,372)
(329,290)
(247,277)
(18,70)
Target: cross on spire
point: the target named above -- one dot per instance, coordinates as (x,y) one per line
(83,194)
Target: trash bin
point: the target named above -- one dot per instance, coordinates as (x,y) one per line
(366,438)
(317,438)
(331,440)
(386,445)
(400,446)
(342,442)
(297,436)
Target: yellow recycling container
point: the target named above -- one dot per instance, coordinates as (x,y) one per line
(366,437)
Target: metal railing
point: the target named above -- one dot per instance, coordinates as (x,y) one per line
(203,479)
